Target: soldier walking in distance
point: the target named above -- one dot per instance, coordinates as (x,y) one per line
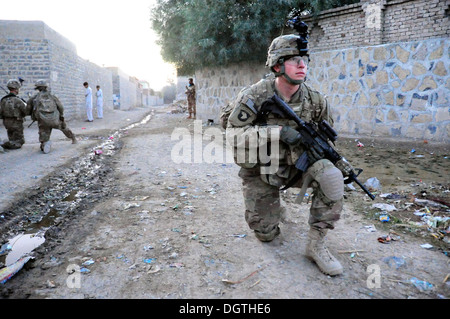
(48,111)
(13,112)
(288,60)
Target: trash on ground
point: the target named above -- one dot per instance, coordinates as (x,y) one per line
(130,205)
(384,207)
(149,260)
(373,183)
(385,239)
(88,262)
(4,249)
(421,285)
(9,271)
(395,261)
(426,246)
(238,236)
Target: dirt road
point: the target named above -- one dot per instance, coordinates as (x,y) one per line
(132,223)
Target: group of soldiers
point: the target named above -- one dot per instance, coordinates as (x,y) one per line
(43,107)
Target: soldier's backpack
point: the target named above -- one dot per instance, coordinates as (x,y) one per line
(9,109)
(46,111)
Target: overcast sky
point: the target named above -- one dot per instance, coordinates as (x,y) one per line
(106,32)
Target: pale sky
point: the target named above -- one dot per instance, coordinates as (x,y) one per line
(105,32)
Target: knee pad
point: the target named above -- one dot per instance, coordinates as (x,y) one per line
(330,181)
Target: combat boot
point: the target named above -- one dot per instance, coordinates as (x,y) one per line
(46,147)
(318,252)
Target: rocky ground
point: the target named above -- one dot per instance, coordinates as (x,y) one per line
(122,219)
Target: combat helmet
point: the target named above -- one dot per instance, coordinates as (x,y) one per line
(13,84)
(284,45)
(41,83)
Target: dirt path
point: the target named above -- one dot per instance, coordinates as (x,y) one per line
(143,226)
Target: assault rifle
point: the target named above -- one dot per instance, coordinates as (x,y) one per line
(314,137)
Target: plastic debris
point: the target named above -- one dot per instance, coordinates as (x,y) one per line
(373,183)
(384,207)
(5,249)
(88,262)
(384,218)
(398,262)
(420,284)
(149,260)
(239,236)
(9,271)
(426,246)
(370,228)
(385,239)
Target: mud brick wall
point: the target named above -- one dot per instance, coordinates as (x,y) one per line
(32,50)
(381,80)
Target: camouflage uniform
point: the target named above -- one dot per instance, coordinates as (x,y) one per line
(191,98)
(45,129)
(13,112)
(261,191)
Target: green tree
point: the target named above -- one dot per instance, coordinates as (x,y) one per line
(198,33)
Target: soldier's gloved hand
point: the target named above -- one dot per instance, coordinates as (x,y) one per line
(345,167)
(290,136)
(313,155)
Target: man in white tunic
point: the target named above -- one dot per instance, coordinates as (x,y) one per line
(88,95)
(99,94)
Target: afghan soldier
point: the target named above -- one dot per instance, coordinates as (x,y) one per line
(13,112)
(191,97)
(48,111)
(289,64)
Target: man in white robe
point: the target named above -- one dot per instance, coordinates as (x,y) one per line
(99,94)
(88,96)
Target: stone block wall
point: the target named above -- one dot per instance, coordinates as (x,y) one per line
(393,90)
(217,87)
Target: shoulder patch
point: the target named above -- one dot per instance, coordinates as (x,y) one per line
(243,116)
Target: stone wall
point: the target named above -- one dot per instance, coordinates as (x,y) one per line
(395,90)
(32,50)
